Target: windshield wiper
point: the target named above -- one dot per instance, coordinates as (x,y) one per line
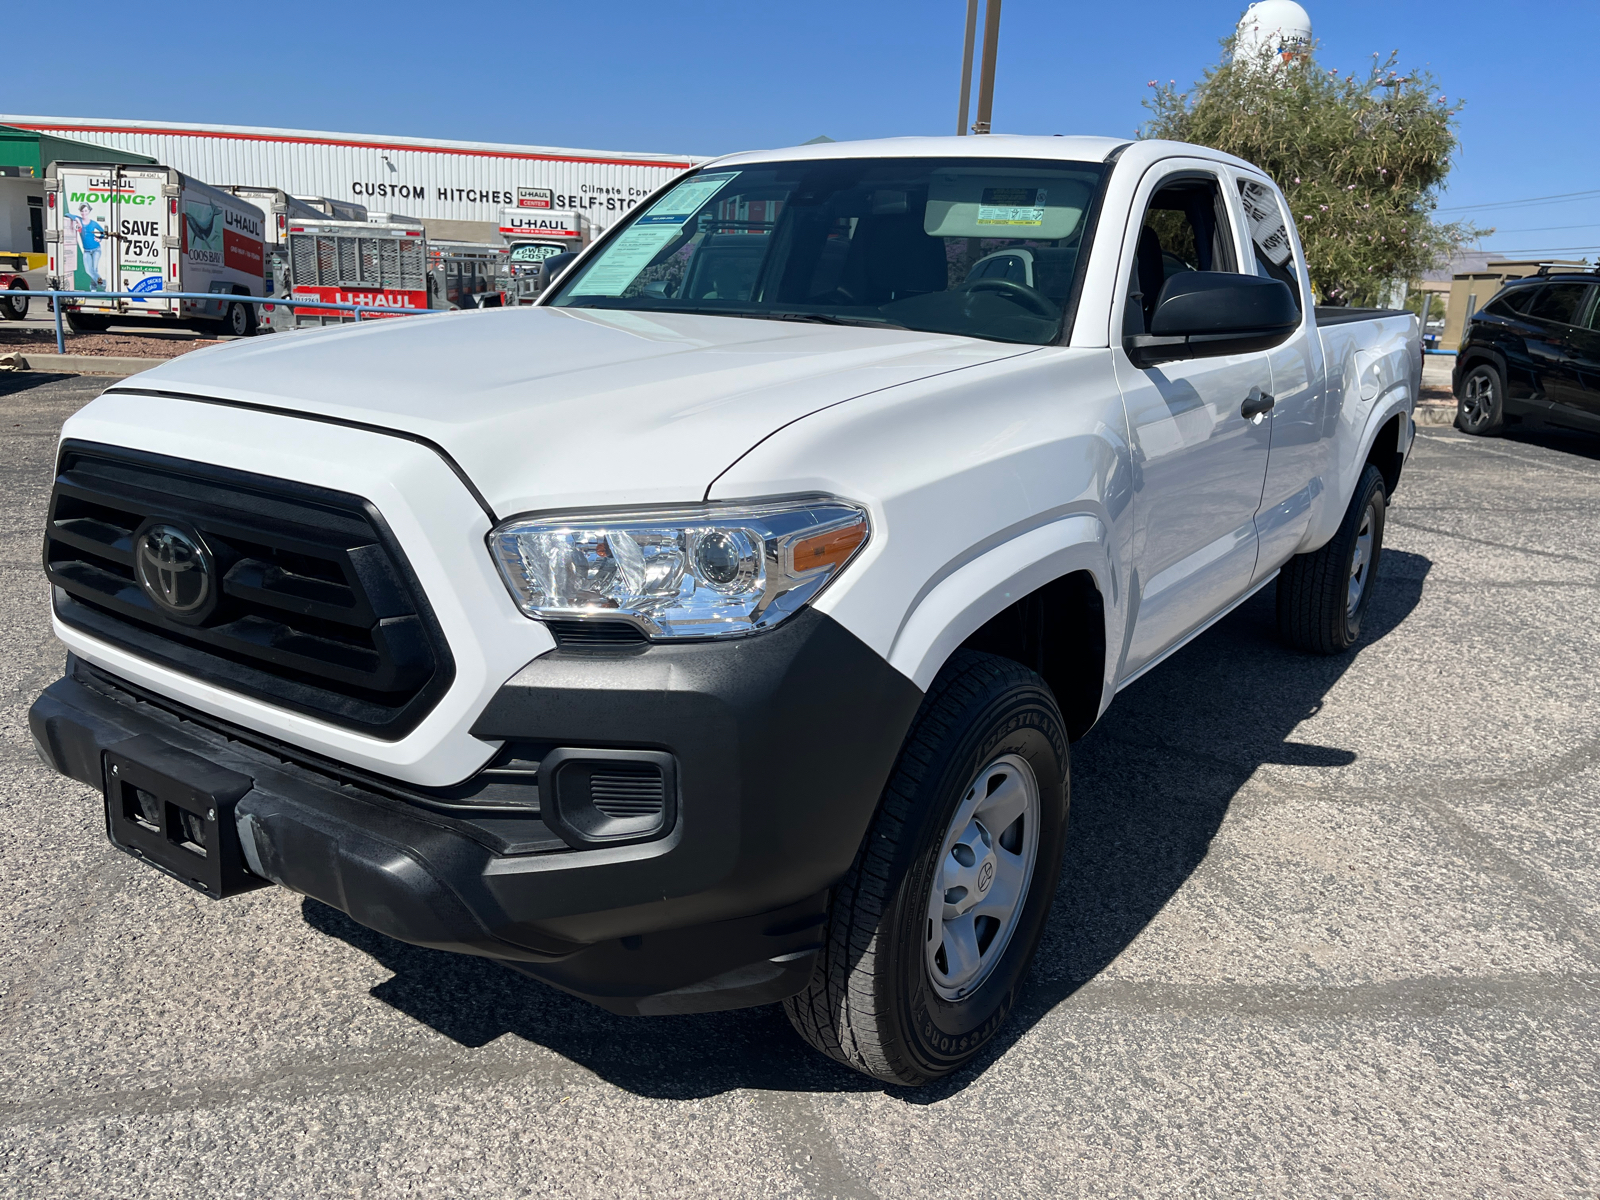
(812,318)
(825,319)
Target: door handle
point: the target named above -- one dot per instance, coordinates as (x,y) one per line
(1256,405)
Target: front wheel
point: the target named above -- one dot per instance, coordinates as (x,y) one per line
(14,301)
(1322,596)
(1480,408)
(934,926)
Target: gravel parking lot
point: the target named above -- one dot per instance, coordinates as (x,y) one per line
(1327,928)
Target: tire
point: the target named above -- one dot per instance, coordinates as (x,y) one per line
(1480,405)
(237,321)
(1323,596)
(890,995)
(87,323)
(14,302)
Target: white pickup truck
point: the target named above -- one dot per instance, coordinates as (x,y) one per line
(713,633)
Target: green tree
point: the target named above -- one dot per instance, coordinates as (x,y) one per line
(1362,160)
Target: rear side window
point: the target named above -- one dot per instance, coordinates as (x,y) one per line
(1269,235)
(1559,302)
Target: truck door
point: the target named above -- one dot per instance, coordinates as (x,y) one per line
(1199,464)
(1555,318)
(1586,358)
(134,247)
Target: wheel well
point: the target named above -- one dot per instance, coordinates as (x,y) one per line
(1385,453)
(1060,632)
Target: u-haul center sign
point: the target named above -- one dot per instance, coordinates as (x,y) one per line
(419,177)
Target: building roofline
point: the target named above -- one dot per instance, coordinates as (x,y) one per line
(314,137)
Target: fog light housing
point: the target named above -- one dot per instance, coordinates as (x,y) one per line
(608,797)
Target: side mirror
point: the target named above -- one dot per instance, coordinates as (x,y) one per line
(1204,314)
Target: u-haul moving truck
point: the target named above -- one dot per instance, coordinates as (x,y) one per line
(535,234)
(148,229)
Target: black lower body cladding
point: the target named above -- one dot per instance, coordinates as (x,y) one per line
(781,745)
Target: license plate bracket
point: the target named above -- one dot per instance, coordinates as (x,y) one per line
(175,811)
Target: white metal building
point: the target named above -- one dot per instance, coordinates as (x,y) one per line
(443,182)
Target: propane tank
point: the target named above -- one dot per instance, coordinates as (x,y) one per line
(1275,31)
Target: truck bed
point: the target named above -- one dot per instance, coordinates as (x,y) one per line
(1328,314)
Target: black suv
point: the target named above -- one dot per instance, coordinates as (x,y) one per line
(1532,355)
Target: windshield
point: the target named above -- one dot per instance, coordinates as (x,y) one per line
(984,247)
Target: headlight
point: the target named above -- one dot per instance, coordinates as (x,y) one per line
(709,570)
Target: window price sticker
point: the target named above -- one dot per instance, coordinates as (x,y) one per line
(1012,206)
(683,201)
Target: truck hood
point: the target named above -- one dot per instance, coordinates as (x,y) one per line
(548,408)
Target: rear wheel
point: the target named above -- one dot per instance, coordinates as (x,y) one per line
(1480,407)
(934,926)
(1323,596)
(237,321)
(14,301)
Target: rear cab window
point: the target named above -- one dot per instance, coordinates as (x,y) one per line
(1270,240)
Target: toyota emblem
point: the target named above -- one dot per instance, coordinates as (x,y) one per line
(174,571)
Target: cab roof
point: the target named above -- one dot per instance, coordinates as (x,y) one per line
(994,145)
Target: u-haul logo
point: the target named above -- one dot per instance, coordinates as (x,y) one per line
(244,223)
(551,226)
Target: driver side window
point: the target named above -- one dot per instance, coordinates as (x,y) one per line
(1186,228)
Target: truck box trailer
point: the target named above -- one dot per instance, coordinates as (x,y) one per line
(117,227)
(533,235)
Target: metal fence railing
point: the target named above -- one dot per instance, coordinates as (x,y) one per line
(210,297)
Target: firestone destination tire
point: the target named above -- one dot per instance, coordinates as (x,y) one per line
(933,928)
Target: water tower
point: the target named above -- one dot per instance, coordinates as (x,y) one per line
(1279,28)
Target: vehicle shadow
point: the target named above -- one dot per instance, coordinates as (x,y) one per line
(1150,791)
(1551,437)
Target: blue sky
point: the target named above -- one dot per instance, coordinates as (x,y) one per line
(704,78)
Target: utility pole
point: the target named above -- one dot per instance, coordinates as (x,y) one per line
(966,66)
(991,44)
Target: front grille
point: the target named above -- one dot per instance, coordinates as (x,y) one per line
(317,609)
(628,791)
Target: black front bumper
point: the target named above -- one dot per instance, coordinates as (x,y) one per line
(782,744)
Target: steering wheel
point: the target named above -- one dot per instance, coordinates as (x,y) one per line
(1021,294)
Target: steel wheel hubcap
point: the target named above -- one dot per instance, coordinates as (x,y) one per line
(1360,564)
(985,867)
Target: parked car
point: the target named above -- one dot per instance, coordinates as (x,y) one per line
(714,635)
(1531,356)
